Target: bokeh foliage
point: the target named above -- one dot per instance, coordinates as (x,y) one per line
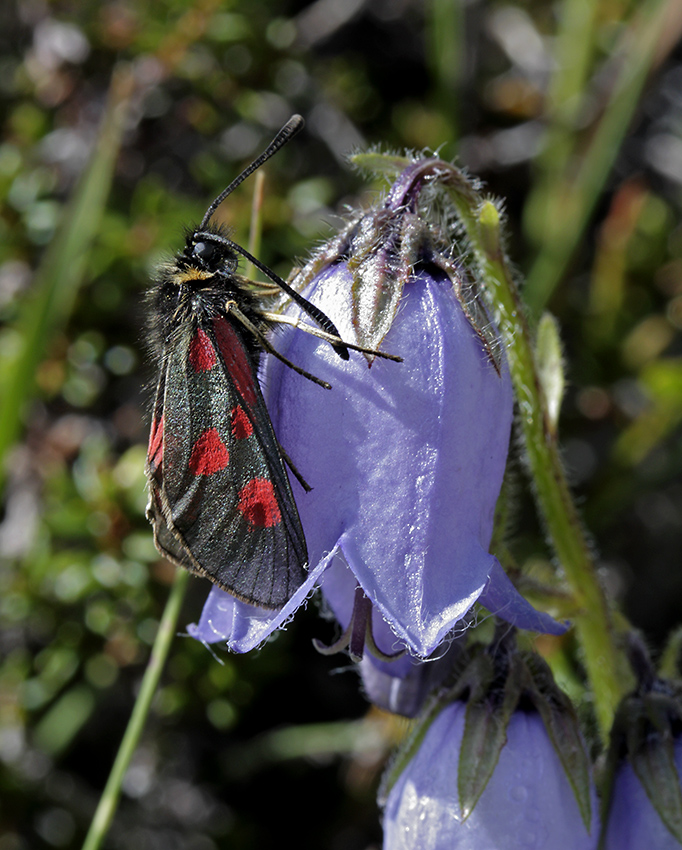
(120,123)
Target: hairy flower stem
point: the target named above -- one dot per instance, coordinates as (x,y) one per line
(112,791)
(604,663)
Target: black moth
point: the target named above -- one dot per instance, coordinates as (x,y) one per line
(220,501)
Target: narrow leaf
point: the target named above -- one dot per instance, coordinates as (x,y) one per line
(487,718)
(479,670)
(563,729)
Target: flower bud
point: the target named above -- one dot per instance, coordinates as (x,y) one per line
(528,803)
(633,820)
(495,763)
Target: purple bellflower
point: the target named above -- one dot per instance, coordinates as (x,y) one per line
(405,460)
(495,761)
(527,804)
(633,821)
(402,685)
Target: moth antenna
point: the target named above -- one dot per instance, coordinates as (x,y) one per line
(293,126)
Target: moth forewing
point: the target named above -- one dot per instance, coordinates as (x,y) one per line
(221,504)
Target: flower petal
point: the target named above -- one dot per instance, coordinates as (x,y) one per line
(403,684)
(502,598)
(244,626)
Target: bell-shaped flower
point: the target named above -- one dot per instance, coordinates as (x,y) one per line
(405,460)
(496,764)
(527,804)
(402,684)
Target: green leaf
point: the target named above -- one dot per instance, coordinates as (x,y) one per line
(671,661)
(488,713)
(64,720)
(563,728)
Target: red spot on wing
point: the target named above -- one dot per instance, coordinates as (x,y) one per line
(209,454)
(202,357)
(236,360)
(155,451)
(258,504)
(241,424)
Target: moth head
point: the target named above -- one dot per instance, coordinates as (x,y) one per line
(210,252)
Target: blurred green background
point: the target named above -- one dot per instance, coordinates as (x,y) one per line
(120,123)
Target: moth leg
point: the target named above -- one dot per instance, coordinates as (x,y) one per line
(231,307)
(294,471)
(334,340)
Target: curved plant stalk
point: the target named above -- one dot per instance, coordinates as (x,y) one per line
(157,660)
(110,796)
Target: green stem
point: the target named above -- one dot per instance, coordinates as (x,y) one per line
(446,55)
(112,791)
(602,658)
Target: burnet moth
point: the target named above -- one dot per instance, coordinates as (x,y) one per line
(220,501)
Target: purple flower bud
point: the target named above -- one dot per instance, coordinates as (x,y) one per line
(405,460)
(528,803)
(633,822)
